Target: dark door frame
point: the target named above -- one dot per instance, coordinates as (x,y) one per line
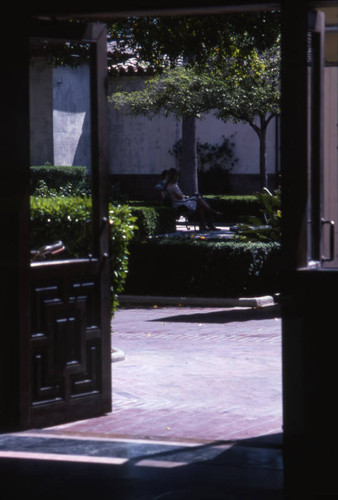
(309,374)
(308,303)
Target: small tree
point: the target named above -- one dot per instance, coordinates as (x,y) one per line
(164,42)
(240,89)
(181,92)
(250,93)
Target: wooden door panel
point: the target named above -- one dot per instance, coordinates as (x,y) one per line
(66,342)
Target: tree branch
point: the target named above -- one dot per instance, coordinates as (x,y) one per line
(255,127)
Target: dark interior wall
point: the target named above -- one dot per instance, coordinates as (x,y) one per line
(309,308)
(14,220)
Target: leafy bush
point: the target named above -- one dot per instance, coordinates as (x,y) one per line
(161,266)
(266,227)
(234,208)
(202,268)
(69,220)
(153,220)
(123,226)
(61,218)
(54,181)
(51,180)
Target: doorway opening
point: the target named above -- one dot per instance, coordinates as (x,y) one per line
(122,40)
(290,242)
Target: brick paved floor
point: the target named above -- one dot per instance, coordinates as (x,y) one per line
(193,374)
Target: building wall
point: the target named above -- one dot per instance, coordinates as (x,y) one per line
(139,147)
(71,116)
(59,115)
(41,119)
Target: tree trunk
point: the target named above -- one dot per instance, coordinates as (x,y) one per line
(261,132)
(262,158)
(188,171)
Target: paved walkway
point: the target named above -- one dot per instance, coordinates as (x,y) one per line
(203,383)
(196,374)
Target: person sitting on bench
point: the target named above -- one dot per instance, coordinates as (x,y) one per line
(160,185)
(193,204)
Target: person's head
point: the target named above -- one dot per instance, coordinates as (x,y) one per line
(164,174)
(172,176)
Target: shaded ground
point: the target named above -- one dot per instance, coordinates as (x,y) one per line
(194,373)
(197,415)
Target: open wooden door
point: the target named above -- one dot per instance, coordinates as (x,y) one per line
(66,358)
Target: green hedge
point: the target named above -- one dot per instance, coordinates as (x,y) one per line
(53,181)
(62,218)
(160,266)
(55,177)
(235,208)
(153,220)
(69,220)
(201,268)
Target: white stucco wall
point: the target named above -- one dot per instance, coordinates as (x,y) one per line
(71,116)
(140,145)
(246,143)
(60,107)
(41,106)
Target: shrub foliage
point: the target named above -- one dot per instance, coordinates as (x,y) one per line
(54,180)
(69,219)
(203,268)
(142,265)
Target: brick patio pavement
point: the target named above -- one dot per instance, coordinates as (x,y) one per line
(195,374)
(203,383)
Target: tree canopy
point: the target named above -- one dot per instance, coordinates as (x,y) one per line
(225,64)
(240,90)
(179,91)
(250,93)
(166,41)
(246,89)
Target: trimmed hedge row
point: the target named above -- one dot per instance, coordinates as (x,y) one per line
(153,220)
(156,218)
(201,268)
(52,180)
(232,206)
(235,208)
(55,176)
(153,217)
(160,266)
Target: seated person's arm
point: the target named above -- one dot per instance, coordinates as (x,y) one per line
(177,193)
